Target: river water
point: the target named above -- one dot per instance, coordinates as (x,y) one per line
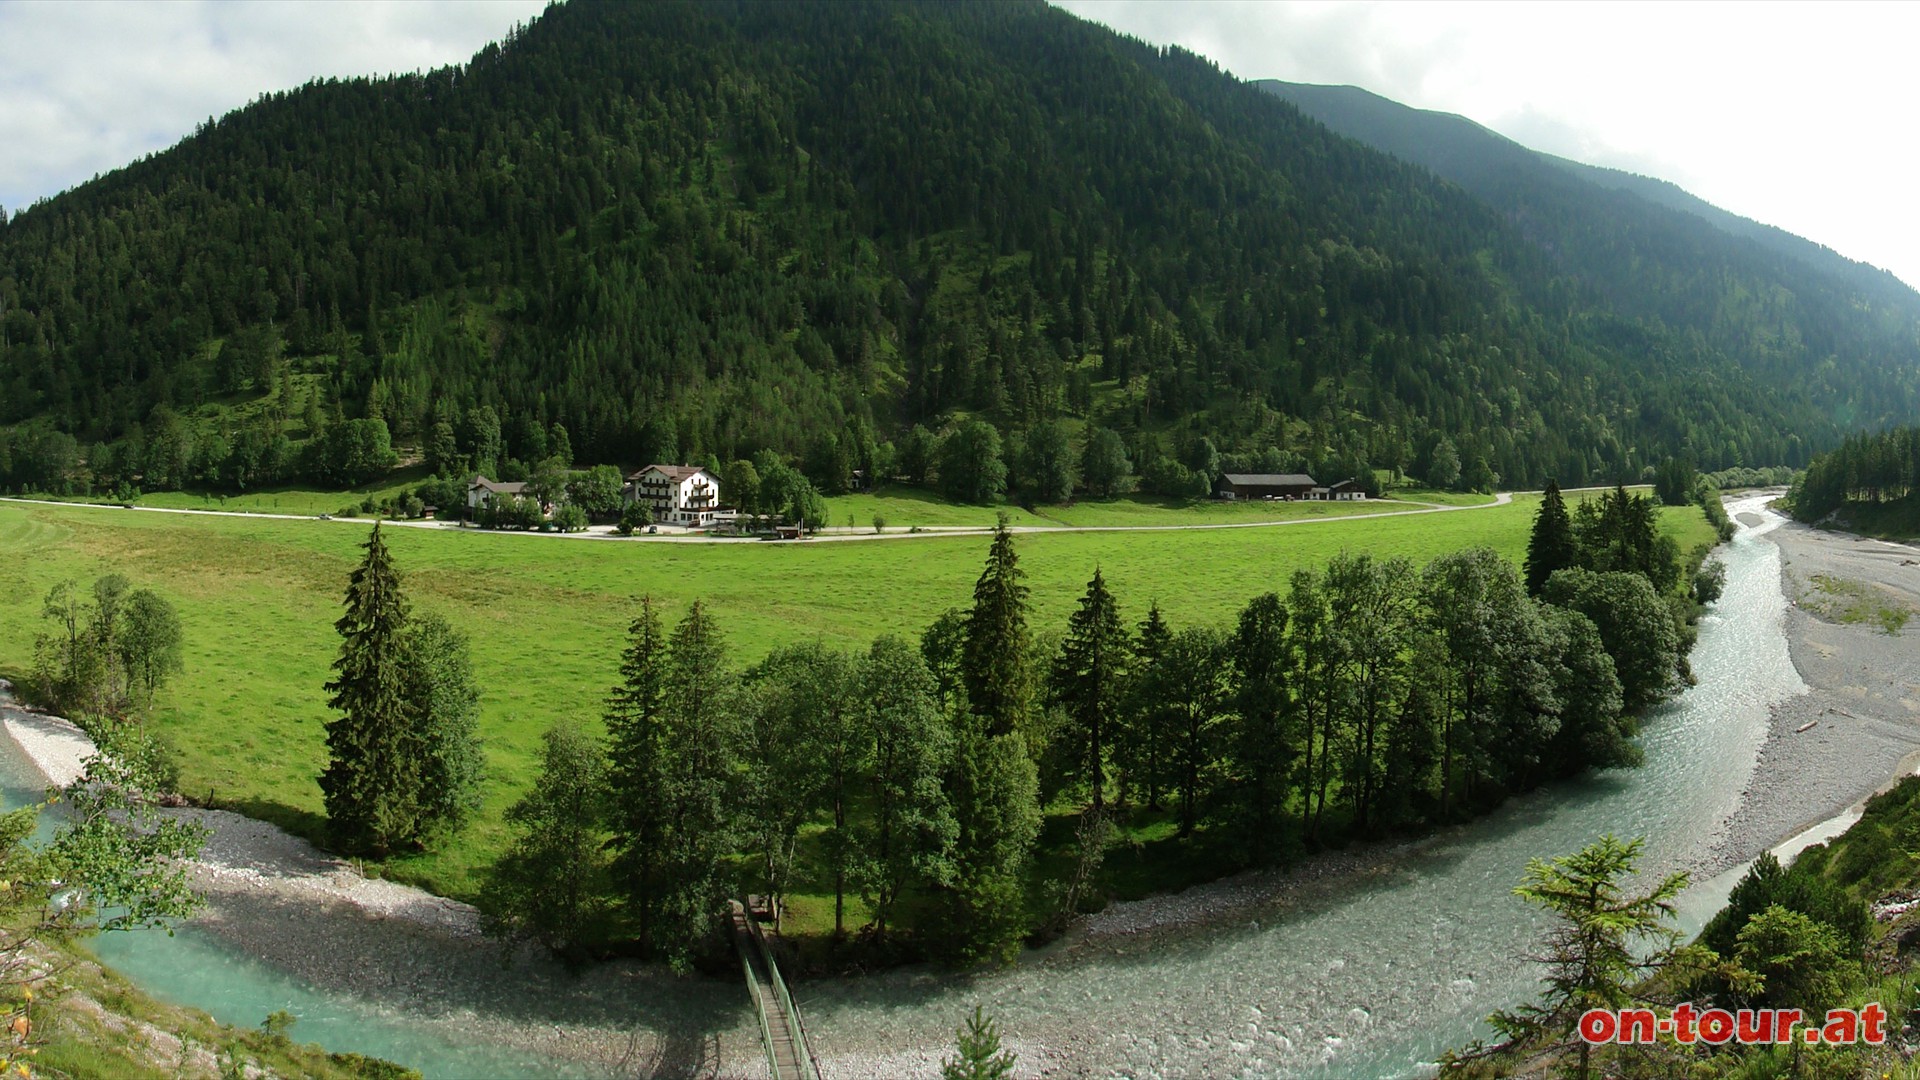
(1365,975)
(1377,975)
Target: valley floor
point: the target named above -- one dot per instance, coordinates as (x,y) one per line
(1101,518)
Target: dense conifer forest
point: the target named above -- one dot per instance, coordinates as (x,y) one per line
(698,231)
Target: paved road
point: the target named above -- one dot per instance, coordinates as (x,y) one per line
(605,532)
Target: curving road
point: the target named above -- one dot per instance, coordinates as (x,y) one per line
(830,534)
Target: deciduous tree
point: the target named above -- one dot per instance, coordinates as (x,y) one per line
(551,884)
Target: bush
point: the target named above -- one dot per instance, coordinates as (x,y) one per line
(570,518)
(637,515)
(1709,581)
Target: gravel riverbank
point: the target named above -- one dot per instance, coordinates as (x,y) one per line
(1857,729)
(407,952)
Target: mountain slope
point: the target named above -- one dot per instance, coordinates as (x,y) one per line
(1585,217)
(692,231)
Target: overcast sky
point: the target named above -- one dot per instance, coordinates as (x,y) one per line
(1798,115)
(1795,115)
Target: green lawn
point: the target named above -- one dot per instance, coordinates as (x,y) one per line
(1144,510)
(904,507)
(282,500)
(1444,498)
(547,615)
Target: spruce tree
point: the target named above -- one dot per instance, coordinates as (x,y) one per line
(1087,679)
(1143,739)
(995,790)
(372,774)
(1552,545)
(1603,944)
(977,1052)
(696,782)
(636,719)
(1261,751)
(996,667)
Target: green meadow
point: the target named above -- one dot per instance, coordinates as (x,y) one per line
(547,615)
(903,507)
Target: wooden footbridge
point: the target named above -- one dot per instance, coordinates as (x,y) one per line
(780,1029)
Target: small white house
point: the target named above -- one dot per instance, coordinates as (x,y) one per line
(1343,491)
(677,494)
(485,492)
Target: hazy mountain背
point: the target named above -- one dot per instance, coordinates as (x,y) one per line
(696,230)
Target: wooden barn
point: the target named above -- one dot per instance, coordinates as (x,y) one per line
(1264,486)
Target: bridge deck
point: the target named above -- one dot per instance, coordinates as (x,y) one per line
(786,1047)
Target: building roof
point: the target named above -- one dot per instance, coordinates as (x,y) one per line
(1340,484)
(675,473)
(509,487)
(1268,479)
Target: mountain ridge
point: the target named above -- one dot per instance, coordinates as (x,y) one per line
(1407,132)
(696,231)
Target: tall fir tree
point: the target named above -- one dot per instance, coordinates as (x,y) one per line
(1552,545)
(636,726)
(697,778)
(1143,740)
(995,790)
(996,666)
(1088,677)
(1261,750)
(373,767)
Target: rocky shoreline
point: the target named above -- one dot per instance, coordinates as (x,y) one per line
(1856,730)
(401,950)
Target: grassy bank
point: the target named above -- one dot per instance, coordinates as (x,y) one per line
(258,598)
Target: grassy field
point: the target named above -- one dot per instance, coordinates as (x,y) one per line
(904,507)
(547,615)
(283,500)
(1161,512)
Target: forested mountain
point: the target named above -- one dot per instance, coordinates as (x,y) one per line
(1775,301)
(698,230)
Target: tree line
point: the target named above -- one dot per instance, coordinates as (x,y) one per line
(1866,468)
(910,780)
